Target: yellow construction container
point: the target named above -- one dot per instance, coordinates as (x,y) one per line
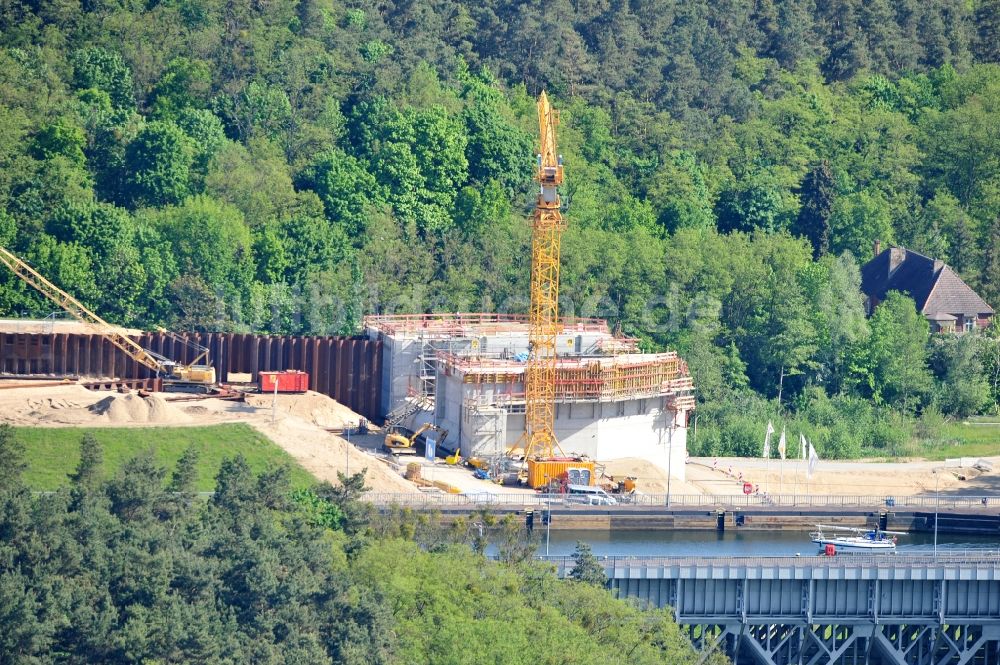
(575,471)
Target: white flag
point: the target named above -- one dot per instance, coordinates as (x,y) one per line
(781,444)
(767,440)
(813,459)
(802,445)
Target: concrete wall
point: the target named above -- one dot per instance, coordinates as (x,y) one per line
(400,365)
(401,355)
(637,428)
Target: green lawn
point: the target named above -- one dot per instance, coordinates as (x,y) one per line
(52,453)
(964,440)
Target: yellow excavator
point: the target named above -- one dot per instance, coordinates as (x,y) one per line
(176,376)
(400,444)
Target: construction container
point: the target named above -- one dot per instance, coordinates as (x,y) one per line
(571,470)
(289,381)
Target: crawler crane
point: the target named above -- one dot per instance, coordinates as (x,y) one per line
(175,375)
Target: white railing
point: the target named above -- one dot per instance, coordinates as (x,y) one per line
(516,499)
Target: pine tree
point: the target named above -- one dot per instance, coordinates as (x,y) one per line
(88,471)
(987,47)
(989,286)
(587,569)
(12,463)
(184,479)
(817,194)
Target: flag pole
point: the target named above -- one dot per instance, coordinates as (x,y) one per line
(795,492)
(767,455)
(782,445)
(767,459)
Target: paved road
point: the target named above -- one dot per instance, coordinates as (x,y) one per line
(826,465)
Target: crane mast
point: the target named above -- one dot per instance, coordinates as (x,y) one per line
(546,238)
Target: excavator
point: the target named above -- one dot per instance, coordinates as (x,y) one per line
(400,444)
(181,377)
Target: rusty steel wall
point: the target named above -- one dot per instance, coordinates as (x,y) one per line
(348,369)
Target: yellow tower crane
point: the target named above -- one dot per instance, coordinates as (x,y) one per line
(179,375)
(546,241)
(539,440)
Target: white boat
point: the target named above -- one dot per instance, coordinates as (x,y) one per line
(855,539)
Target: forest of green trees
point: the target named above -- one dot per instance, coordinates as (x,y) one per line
(136,568)
(290,166)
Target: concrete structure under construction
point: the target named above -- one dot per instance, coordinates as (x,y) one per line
(466,373)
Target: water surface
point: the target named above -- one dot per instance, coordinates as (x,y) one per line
(733,543)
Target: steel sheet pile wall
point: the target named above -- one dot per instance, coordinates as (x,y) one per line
(347,369)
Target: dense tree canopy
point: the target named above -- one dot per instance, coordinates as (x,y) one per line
(136,568)
(285,167)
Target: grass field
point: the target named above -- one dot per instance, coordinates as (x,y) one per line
(979,438)
(52,453)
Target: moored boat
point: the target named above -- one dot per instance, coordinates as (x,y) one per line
(855,539)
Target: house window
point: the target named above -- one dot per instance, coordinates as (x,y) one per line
(969,323)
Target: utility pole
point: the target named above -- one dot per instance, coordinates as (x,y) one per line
(670,446)
(274,401)
(548,522)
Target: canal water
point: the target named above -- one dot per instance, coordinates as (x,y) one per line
(733,543)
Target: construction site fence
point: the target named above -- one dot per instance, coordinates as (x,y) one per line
(512,499)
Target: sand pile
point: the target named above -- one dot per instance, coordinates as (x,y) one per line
(131,408)
(310,406)
(23,403)
(52,404)
(650,478)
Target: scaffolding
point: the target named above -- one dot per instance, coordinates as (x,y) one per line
(471,324)
(595,379)
(431,346)
(413,404)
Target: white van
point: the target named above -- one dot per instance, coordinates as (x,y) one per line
(593,496)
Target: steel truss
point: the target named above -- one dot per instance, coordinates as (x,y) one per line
(849,644)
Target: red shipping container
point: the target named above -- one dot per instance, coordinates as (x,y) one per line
(289,381)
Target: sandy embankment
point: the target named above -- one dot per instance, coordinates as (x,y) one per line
(301,423)
(297,423)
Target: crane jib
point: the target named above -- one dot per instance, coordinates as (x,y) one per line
(202,375)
